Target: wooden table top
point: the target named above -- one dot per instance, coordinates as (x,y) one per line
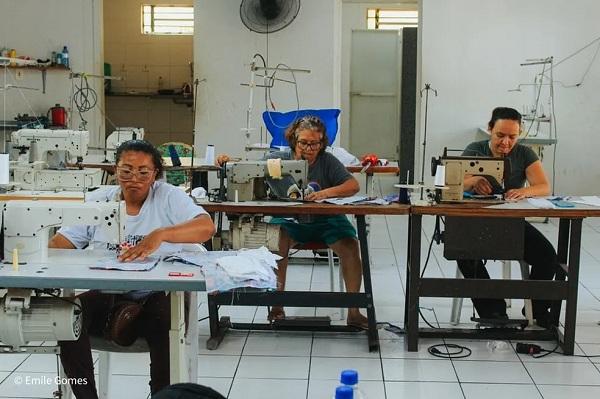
(374,169)
(307,208)
(520,209)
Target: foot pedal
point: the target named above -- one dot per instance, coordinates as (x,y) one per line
(310,321)
(500,323)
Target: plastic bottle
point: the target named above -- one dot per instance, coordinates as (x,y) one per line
(65,56)
(350,378)
(344,392)
(497,346)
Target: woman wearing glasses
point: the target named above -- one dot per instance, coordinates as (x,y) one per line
(504,128)
(159,216)
(308,141)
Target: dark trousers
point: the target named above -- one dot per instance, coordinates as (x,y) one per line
(539,253)
(153,324)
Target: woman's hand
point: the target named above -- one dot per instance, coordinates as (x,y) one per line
(144,248)
(221,159)
(317,195)
(481,185)
(516,194)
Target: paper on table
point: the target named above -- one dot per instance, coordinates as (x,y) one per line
(355,200)
(541,203)
(593,200)
(110,262)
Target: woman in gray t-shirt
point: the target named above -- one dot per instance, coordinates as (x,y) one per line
(505,128)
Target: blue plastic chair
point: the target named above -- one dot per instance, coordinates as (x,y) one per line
(278,122)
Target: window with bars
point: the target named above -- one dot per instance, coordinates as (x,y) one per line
(167,20)
(391,19)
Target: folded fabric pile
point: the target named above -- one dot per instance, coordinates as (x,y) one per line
(227,270)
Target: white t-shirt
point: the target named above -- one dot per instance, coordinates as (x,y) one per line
(166,205)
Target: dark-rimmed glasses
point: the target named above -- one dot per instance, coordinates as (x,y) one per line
(313,145)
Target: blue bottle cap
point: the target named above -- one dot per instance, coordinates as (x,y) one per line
(344,392)
(349,377)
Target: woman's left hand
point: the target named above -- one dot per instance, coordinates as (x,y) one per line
(515,194)
(144,248)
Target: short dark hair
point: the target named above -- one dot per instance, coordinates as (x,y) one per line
(145,147)
(504,113)
(308,122)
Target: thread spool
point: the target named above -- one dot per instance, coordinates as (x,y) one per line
(209,155)
(440,176)
(4,174)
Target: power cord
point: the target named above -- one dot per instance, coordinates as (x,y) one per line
(460,351)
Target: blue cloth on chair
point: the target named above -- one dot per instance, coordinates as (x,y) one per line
(278,122)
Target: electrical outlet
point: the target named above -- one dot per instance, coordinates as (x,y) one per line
(19,75)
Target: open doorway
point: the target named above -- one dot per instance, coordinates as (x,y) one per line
(151,48)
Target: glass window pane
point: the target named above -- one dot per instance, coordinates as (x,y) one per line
(162,19)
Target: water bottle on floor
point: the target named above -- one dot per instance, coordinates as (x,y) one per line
(344,392)
(350,379)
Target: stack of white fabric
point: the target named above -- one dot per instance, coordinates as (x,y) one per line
(250,264)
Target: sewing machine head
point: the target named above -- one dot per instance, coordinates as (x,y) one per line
(53,147)
(258,180)
(27,224)
(43,158)
(457,167)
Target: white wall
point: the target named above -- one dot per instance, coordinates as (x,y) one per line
(36,28)
(354,17)
(223,47)
(471,51)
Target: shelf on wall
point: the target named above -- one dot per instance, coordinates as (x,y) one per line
(177,98)
(39,67)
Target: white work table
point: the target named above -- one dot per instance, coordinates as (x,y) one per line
(70,269)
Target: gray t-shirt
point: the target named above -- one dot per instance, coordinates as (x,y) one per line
(519,159)
(327,170)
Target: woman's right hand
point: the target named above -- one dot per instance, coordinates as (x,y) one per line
(221,159)
(481,185)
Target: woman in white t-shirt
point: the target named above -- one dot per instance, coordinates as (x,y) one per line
(159,215)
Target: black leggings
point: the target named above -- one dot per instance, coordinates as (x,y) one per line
(539,253)
(153,324)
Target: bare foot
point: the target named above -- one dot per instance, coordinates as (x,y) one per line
(276,313)
(356,319)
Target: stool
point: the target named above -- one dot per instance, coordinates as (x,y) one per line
(319,246)
(457,302)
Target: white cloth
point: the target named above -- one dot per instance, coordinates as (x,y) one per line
(255,264)
(166,205)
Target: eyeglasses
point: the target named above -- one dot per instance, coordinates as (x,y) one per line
(313,145)
(126,174)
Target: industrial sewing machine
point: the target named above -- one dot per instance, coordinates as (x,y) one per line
(259,180)
(457,167)
(24,315)
(121,135)
(44,156)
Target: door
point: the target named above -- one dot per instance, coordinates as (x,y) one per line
(374,92)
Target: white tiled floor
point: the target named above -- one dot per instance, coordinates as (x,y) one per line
(294,365)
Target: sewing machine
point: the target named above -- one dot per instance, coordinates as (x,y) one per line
(252,180)
(43,158)
(121,135)
(457,167)
(26,316)
(28,224)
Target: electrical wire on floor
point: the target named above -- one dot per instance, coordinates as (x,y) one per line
(460,351)
(537,351)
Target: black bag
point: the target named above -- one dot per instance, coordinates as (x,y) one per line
(121,326)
